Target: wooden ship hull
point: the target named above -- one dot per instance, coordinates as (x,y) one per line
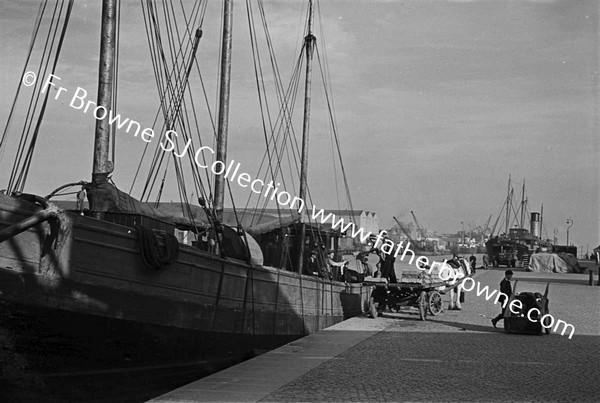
(85,301)
(111,291)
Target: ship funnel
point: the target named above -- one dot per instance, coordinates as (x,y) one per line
(535,224)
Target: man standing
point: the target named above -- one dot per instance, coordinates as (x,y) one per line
(311,267)
(505,288)
(387,269)
(473,262)
(369,270)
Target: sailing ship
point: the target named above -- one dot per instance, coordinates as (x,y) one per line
(107,288)
(517,243)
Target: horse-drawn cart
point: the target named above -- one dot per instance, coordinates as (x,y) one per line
(394,297)
(421,289)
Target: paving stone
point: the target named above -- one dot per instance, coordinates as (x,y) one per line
(459,356)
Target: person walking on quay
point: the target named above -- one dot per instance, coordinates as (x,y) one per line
(505,288)
(485,261)
(473,262)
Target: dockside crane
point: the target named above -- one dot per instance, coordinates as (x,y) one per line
(486,227)
(420,230)
(416,243)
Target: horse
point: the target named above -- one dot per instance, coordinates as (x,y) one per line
(453,274)
(459,273)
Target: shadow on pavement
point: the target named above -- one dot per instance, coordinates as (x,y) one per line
(468,326)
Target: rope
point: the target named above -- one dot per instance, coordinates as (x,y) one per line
(115,85)
(19,86)
(29,116)
(172,74)
(153,255)
(29,157)
(275,144)
(20,159)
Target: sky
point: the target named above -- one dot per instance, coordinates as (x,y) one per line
(437,103)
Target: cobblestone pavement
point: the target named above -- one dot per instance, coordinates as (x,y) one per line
(459,356)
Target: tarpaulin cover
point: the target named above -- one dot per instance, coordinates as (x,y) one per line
(572,263)
(549,262)
(108,198)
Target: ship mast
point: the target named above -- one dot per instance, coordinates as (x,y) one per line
(508,197)
(523,204)
(102,166)
(309,41)
(223,118)
(541,220)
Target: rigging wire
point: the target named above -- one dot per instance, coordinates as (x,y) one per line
(170,66)
(169,81)
(263,102)
(283,121)
(115,85)
(43,110)
(278,133)
(30,112)
(18,183)
(326,77)
(175,99)
(172,71)
(173,59)
(38,21)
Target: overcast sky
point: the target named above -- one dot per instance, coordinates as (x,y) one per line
(437,102)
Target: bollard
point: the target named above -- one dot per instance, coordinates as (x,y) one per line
(591,282)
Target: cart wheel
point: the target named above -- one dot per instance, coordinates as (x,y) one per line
(372,308)
(423,305)
(435,303)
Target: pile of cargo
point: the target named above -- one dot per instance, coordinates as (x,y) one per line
(420,277)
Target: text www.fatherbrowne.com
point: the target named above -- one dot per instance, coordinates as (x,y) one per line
(272,192)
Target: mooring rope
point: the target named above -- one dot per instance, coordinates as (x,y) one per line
(153,255)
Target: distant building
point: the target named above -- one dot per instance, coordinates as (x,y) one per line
(367,220)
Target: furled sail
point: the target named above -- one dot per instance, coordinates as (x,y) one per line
(111,199)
